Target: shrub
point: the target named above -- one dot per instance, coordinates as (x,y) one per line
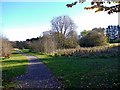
(6,47)
(93,38)
(99,51)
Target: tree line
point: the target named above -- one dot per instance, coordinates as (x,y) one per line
(63,35)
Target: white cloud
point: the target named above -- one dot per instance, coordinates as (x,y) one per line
(87,21)
(91,20)
(24,33)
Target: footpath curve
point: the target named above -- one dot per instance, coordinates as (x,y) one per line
(37,75)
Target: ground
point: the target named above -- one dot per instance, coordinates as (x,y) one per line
(37,75)
(72,72)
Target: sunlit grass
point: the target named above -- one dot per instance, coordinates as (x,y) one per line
(13,65)
(25,50)
(39,55)
(77,72)
(11,68)
(100,69)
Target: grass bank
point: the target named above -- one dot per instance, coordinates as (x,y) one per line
(78,72)
(11,68)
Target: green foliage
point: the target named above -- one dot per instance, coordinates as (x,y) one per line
(12,68)
(20,44)
(84,33)
(93,38)
(77,72)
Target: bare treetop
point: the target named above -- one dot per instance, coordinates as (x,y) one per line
(63,24)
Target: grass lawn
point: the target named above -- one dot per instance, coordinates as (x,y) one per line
(77,72)
(11,68)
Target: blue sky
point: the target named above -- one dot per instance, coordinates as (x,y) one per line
(23,20)
(30,13)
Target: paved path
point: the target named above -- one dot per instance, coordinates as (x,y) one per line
(37,76)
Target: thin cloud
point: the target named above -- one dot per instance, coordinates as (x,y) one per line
(91,20)
(21,34)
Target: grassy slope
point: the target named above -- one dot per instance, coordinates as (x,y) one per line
(12,67)
(84,72)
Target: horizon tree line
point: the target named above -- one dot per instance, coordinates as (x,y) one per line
(63,35)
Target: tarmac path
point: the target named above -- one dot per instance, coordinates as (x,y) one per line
(37,76)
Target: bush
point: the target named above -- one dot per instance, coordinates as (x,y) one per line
(93,38)
(99,51)
(6,47)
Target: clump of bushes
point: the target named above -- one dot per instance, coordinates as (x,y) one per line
(5,47)
(93,38)
(99,51)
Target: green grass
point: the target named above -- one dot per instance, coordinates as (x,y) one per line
(11,68)
(77,72)
(25,50)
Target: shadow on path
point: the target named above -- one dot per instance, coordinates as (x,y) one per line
(37,76)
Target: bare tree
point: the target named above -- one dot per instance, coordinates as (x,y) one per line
(6,47)
(62,26)
(44,44)
(48,44)
(71,40)
(34,46)
(0,45)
